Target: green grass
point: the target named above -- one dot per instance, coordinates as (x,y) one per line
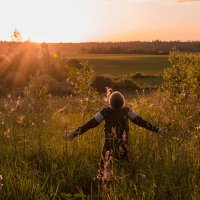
(36,163)
(123,64)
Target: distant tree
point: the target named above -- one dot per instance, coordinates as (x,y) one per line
(45,61)
(16,36)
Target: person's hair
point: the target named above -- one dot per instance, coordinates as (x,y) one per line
(116,100)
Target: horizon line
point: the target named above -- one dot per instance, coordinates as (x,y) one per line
(108,41)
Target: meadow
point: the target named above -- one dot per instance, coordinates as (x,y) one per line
(36,162)
(123,65)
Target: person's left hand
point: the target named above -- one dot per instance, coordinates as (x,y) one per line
(162,131)
(70,136)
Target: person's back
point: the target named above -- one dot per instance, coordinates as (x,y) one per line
(116,128)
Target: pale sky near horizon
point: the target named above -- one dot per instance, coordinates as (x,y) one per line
(100,20)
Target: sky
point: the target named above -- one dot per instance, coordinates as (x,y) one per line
(100,20)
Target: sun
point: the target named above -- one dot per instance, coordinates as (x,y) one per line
(50,21)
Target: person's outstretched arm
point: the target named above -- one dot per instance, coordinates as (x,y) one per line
(93,122)
(136,119)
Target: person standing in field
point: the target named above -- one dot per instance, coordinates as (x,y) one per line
(116,130)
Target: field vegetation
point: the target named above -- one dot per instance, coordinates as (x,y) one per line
(26,60)
(37,163)
(112,63)
(145,70)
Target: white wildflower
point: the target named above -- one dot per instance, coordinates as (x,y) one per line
(13,109)
(7,133)
(18,103)
(198,127)
(1,182)
(20,119)
(143,175)
(6,106)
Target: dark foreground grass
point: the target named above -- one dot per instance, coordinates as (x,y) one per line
(36,163)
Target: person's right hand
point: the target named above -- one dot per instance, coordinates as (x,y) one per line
(162,131)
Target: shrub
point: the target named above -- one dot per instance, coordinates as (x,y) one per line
(100,82)
(138,75)
(14,80)
(75,63)
(183,78)
(125,84)
(3,90)
(47,85)
(84,78)
(54,87)
(36,89)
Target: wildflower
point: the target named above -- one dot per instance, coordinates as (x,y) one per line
(124,136)
(107,160)
(1,184)
(30,106)
(18,103)
(7,133)
(143,175)
(20,119)
(9,96)
(198,127)
(13,109)
(6,106)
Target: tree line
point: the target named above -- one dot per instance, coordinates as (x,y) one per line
(132,47)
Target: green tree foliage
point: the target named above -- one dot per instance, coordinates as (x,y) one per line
(183,78)
(100,82)
(82,87)
(84,79)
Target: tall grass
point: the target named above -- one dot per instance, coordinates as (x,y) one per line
(37,163)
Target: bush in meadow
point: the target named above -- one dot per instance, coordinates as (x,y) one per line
(183,78)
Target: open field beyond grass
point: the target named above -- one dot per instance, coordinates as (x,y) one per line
(123,64)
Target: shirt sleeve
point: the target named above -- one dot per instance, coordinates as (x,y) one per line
(92,123)
(136,119)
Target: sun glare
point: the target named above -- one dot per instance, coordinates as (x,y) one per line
(99,20)
(50,21)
